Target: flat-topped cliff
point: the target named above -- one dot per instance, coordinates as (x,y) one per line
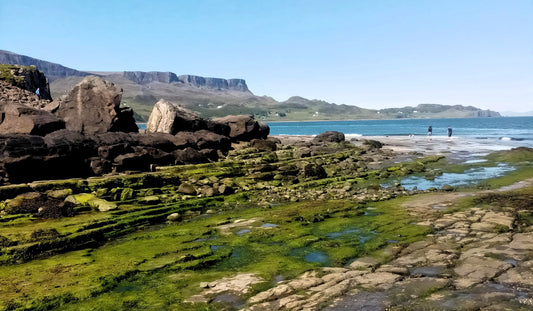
(217,84)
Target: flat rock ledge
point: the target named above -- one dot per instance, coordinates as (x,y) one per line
(466,257)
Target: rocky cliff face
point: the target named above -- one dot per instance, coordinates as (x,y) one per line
(51,70)
(142,77)
(20,108)
(215,83)
(27,78)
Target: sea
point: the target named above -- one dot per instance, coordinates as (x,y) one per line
(508,131)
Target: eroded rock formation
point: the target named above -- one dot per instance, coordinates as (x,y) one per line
(93,106)
(86,132)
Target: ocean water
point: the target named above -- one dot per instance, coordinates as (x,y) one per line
(518,131)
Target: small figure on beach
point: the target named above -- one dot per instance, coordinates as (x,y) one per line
(38,92)
(449,132)
(430,132)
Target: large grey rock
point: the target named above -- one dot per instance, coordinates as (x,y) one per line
(93,106)
(171,118)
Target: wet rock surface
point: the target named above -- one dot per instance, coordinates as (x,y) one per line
(466,264)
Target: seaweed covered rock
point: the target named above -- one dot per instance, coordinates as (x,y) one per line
(40,205)
(314,171)
(372,144)
(263,144)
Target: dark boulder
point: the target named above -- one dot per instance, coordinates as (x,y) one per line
(329,137)
(113,138)
(12,146)
(56,209)
(100,166)
(210,154)
(23,169)
(113,151)
(166,142)
(244,127)
(70,143)
(314,171)
(189,156)
(209,140)
(372,144)
(133,162)
(184,140)
(17,118)
(157,156)
(219,128)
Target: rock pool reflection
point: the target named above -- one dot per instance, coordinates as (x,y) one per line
(469,177)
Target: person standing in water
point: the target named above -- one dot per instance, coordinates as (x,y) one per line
(430,132)
(449,132)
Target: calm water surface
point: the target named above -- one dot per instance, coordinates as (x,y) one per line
(502,128)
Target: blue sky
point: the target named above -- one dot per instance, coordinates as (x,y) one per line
(368,53)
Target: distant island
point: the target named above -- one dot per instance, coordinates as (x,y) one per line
(216,97)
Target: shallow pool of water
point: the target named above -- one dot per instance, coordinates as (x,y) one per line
(469,177)
(268,225)
(311,255)
(243,232)
(319,257)
(355,233)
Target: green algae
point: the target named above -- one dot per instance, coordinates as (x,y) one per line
(172,247)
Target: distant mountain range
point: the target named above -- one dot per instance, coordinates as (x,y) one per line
(216,97)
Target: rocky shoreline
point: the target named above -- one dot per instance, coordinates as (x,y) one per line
(89,132)
(259,223)
(475,259)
